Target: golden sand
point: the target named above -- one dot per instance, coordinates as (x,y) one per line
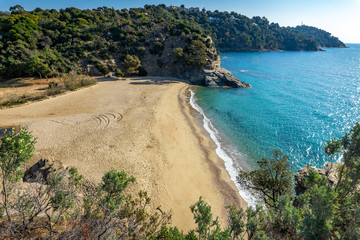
(144,126)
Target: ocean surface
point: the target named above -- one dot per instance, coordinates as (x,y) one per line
(297,102)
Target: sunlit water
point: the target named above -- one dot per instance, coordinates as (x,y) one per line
(299,100)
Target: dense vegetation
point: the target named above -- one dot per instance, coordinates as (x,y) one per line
(61,205)
(235,32)
(323,38)
(158,40)
(47,43)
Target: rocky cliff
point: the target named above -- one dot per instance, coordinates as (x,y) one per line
(210,74)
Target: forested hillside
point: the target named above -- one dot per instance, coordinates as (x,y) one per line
(49,42)
(324,39)
(154,40)
(235,32)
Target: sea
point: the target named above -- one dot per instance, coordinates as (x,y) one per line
(298,102)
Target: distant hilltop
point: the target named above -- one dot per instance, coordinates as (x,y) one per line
(160,40)
(323,38)
(232,31)
(183,8)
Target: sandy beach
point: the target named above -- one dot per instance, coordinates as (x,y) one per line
(144,126)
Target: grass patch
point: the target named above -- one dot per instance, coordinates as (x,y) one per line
(68,82)
(73,81)
(14,101)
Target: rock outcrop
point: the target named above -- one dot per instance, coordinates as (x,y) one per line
(209,75)
(330,172)
(42,170)
(220,77)
(216,76)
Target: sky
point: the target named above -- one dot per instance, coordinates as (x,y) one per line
(339,17)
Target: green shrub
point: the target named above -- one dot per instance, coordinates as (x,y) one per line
(179,53)
(157,48)
(88,37)
(15,150)
(195,53)
(102,68)
(131,64)
(119,73)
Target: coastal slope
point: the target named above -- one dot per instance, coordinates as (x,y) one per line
(144,126)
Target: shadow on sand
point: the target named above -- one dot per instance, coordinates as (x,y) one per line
(143,80)
(155,80)
(107,79)
(8,129)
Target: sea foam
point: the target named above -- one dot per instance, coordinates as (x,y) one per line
(229,162)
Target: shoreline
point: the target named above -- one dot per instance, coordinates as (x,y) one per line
(230,165)
(142,125)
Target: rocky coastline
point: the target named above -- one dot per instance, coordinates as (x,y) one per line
(211,74)
(329,171)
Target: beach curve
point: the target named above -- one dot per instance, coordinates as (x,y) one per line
(144,126)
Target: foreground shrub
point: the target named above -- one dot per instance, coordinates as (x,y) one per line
(15,150)
(61,206)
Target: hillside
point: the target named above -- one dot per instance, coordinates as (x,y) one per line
(324,39)
(236,32)
(143,41)
(154,40)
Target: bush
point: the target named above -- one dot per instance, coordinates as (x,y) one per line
(15,100)
(59,205)
(55,91)
(15,150)
(131,64)
(112,67)
(88,37)
(119,73)
(140,51)
(179,53)
(195,53)
(53,85)
(157,48)
(102,68)
(73,81)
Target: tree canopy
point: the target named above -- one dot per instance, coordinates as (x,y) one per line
(49,42)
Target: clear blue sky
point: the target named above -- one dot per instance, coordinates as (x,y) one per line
(341,18)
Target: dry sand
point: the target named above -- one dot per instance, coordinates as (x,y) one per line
(144,126)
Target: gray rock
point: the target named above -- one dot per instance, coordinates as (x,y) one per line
(220,77)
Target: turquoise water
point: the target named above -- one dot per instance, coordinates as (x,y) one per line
(299,100)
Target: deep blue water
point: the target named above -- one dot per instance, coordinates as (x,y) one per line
(298,101)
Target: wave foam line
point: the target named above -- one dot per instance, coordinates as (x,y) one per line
(229,162)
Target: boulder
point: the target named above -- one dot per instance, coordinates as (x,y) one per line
(42,170)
